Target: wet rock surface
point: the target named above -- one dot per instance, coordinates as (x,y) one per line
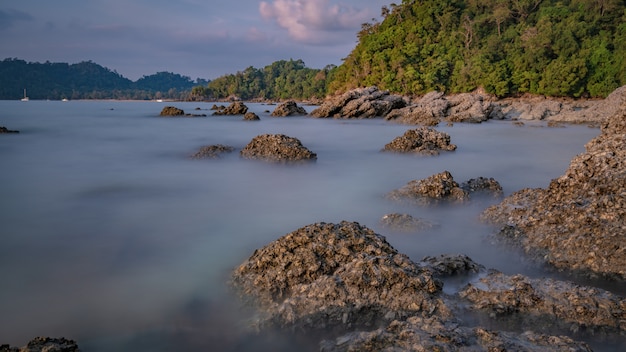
(212,151)
(577,223)
(423,140)
(436,188)
(44,344)
(235,108)
(277,148)
(405,223)
(360,103)
(483,185)
(288,108)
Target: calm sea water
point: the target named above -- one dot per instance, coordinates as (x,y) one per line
(111,235)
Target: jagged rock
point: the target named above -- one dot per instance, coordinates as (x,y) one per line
(360,103)
(405,223)
(6,130)
(289,108)
(420,334)
(427,111)
(235,108)
(577,223)
(250,116)
(336,275)
(212,151)
(436,188)
(277,148)
(547,302)
(44,344)
(483,185)
(423,140)
(446,265)
(172,111)
(469,107)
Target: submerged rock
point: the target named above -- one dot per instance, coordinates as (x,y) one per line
(445,265)
(360,103)
(405,223)
(288,108)
(483,185)
(212,151)
(577,223)
(277,148)
(44,344)
(436,188)
(423,140)
(6,130)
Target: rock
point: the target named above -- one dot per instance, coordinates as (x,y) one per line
(483,185)
(436,188)
(44,344)
(542,303)
(289,108)
(446,265)
(235,108)
(405,223)
(427,111)
(423,140)
(172,111)
(277,148)
(592,111)
(250,116)
(577,223)
(212,151)
(420,334)
(336,275)
(6,130)
(469,107)
(360,103)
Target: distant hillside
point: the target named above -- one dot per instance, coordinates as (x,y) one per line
(557,48)
(84,80)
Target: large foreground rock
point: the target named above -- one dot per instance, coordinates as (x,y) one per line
(577,223)
(277,148)
(423,140)
(360,103)
(44,344)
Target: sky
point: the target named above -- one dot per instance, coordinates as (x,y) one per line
(195,38)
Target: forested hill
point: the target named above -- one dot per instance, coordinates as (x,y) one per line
(559,48)
(85,80)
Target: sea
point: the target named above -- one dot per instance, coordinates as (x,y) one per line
(113,236)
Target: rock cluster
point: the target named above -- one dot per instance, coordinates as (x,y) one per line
(288,108)
(44,344)
(235,108)
(174,111)
(212,151)
(423,140)
(360,103)
(6,130)
(433,189)
(577,223)
(277,148)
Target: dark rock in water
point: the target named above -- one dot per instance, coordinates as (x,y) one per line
(423,140)
(446,265)
(436,188)
(6,130)
(547,302)
(236,108)
(250,116)
(577,223)
(418,334)
(360,103)
(277,148)
(336,275)
(44,344)
(405,223)
(172,111)
(483,185)
(212,151)
(288,108)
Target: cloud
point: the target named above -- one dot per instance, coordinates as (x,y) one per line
(314,22)
(8,17)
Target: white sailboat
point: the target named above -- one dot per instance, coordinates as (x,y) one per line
(25,97)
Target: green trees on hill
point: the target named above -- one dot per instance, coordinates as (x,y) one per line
(558,48)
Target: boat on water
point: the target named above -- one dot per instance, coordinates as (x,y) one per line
(25,96)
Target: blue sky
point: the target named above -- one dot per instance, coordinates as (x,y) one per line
(195,38)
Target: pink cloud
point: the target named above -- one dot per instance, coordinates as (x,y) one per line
(313,21)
